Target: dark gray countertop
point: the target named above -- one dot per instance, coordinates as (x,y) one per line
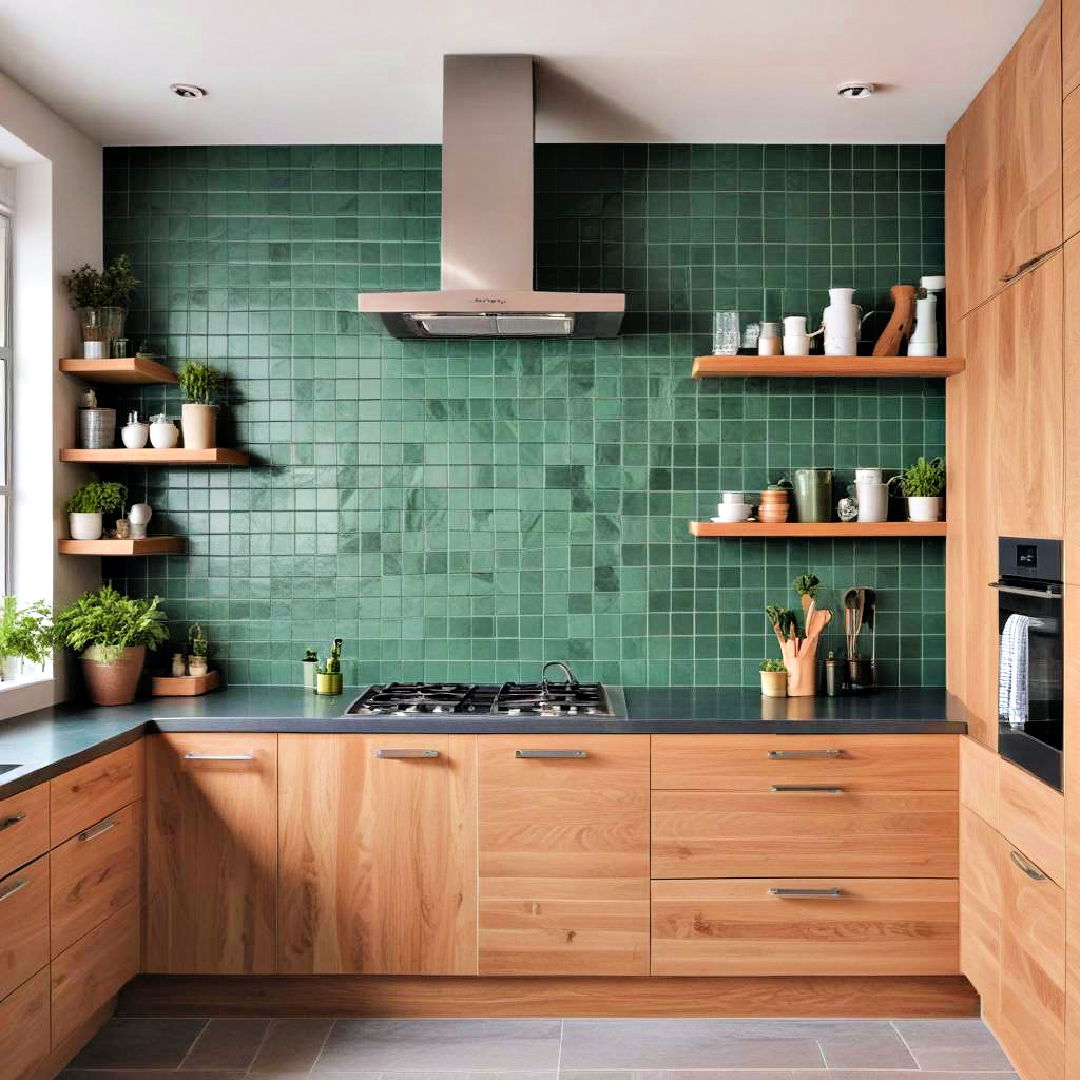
(48,742)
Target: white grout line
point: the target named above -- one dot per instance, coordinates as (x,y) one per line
(194,1043)
(322,1045)
(262,1043)
(558,1062)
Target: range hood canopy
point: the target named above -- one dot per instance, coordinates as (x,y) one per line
(487,222)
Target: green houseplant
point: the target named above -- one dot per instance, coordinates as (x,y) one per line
(111,632)
(922,484)
(87,504)
(199,649)
(328,677)
(198,416)
(310,663)
(773,676)
(101,299)
(25,634)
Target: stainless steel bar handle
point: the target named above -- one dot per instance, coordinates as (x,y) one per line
(8,822)
(220,757)
(16,886)
(818,789)
(551,753)
(406,752)
(1019,590)
(802,755)
(97,830)
(1030,869)
(808,894)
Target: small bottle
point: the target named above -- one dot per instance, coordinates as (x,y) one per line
(834,675)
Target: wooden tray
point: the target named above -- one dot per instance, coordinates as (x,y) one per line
(184,685)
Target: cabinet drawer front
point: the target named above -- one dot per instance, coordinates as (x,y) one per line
(24,827)
(980,907)
(91,971)
(564,937)
(92,791)
(810,926)
(94,874)
(794,834)
(24,923)
(755,762)
(24,1027)
(1032,816)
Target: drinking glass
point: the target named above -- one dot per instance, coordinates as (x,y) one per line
(725,333)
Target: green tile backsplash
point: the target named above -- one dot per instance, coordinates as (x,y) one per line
(468,510)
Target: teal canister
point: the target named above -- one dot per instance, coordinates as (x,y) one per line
(813,490)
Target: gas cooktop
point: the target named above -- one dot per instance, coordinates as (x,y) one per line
(542,698)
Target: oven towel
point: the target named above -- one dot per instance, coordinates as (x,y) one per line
(1013,671)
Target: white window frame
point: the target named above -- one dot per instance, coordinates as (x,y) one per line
(7,357)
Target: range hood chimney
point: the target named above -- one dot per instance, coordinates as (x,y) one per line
(487,222)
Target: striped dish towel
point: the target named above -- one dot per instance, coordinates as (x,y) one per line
(1013,671)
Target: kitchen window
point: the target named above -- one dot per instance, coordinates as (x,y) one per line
(6,350)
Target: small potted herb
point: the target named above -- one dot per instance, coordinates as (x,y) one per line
(88,503)
(101,298)
(773,676)
(923,485)
(111,632)
(309,663)
(328,677)
(199,648)
(25,634)
(198,416)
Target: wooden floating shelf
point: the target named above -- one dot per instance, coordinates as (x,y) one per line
(831,530)
(150,545)
(830,367)
(129,370)
(218,455)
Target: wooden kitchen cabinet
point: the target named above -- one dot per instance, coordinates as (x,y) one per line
(1030,1020)
(377,866)
(211,853)
(1070,46)
(980,908)
(564,854)
(1005,155)
(1071,464)
(24,1028)
(24,923)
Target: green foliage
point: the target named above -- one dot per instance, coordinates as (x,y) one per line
(27,633)
(310,655)
(111,287)
(772,665)
(332,666)
(199,644)
(198,381)
(807,585)
(97,497)
(780,618)
(924,479)
(111,622)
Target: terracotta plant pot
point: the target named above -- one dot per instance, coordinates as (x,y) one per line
(773,683)
(113,682)
(199,424)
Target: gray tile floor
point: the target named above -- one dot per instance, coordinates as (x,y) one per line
(148,1049)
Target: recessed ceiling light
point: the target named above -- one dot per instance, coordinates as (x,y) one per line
(187,90)
(855,89)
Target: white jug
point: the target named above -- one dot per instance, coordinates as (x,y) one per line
(842,320)
(924,340)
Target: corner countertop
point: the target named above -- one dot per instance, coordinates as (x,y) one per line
(48,742)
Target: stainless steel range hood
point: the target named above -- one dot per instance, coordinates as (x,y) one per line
(487,222)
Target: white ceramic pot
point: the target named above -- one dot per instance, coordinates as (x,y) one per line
(924,508)
(164,434)
(199,423)
(135,436)
(85,526)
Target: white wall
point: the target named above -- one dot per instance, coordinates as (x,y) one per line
(58,217)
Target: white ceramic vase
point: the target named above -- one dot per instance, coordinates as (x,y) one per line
(924,508)
(841,321)
(199,424)
(85,526)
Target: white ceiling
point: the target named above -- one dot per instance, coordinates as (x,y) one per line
(344,71)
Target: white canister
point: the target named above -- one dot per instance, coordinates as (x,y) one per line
(873,500)
(796,339)
(135,434)
(164,434)
(867,476)
(768,340)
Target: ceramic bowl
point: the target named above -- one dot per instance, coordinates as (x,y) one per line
(729,513)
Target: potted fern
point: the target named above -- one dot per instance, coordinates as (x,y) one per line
(25,634)
(198,416)
(111,632)
(88,503)
(100,299)
(923,484)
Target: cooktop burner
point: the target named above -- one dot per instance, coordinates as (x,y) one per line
(509,699)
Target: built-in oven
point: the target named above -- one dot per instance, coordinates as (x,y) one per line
(1031,658)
